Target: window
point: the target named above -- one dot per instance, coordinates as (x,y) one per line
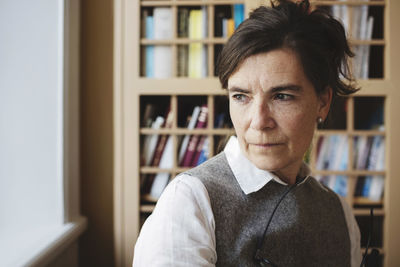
(36,93)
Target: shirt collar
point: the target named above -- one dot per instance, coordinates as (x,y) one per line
(250,178)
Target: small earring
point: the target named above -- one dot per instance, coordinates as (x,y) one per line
(320,120)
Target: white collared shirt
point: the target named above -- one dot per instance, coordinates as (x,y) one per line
(181,229)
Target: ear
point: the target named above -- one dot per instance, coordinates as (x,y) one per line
(325,99)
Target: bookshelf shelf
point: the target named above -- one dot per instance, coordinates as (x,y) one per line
(348,3)
(158,170)
(183,41)
(367,42)
(350,173)
(366,212)
(182,93)
(350,133)
(147,3)
(148,208)
(187,131)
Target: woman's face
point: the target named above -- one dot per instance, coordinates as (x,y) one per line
(274,109)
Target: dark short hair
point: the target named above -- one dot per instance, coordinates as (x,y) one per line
(318,39)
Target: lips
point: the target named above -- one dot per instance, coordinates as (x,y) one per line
(267,144)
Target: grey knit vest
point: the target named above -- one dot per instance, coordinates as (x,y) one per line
(308,229)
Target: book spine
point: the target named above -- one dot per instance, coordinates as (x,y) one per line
(231,27)
(162,140)
(149,50)
(198,150)
(151,141)
(204,153)
(162,64)
(183,23)
(377,187)
(238,14)
(185,142)
(162,23)
(161,179)
(194,139)
(160,182)
(367,186)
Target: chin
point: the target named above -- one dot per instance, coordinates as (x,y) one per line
(266,164)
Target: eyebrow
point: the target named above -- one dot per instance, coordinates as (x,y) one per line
(286,87)
(238,90)
(276,89)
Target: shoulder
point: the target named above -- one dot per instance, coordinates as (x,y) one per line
(169,230)
(214,165)
(214,172)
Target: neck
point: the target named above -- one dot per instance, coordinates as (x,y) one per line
(289,174)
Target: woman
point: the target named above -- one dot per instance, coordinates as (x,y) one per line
(256,203)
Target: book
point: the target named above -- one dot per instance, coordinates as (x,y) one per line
(162,61)
(194,139)
(373,157)
(364,147)
(366,186)
(365,51)
(162,140)
(238,14)
(359,186)
(150,142)
(149,146)
(159,149)
(163,23)
(145,14)
(204,34)
(191,125)
(148,114)
(323,145)
(204,154)
(376,189)
(149,50)
(197,52)
(218,24)
(183,22)
(182,63)
(166,162)
(337,183)
(380,158)
(198,150)
(231,27)
(340,154)
(340,186)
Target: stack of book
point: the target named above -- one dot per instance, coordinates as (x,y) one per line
(227,20)
(361,29)
(158,58)
(192,23)
(369,154)
(157,152)
(333,154)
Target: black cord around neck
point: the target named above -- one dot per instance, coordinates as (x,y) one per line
(363,262)
(260,243)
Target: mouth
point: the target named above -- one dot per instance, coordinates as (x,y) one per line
(266,145)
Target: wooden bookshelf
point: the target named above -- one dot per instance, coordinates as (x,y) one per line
(133,90)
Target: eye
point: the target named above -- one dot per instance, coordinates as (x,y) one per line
(283,97)
(240,97)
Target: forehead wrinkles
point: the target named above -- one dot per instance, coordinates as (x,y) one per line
(267,70)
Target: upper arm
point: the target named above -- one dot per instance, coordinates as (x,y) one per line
(180,231)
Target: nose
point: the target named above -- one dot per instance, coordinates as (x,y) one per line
(262,116)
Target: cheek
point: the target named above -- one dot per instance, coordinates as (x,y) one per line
(236,116)
(299,127)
